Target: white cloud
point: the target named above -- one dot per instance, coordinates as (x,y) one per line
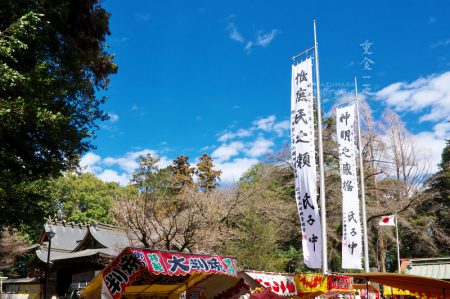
(89,162)
(226,136)
(431,144)
(264,39)
(442,130)
(240,133)
(248,46)
(236,152)
(118,169)
(232,171)
(265,124)
(244,132)
(260,147)
(432,93)
(128,162)
(281,127)
(226,151)
(441,43)
(240,149)
(270,124)
(113,117)
(109,175)
(233,33)
(427,145)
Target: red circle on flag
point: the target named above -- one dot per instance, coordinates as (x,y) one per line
(386,219)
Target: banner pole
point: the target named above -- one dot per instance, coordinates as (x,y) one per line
(363,193)
(398,243)
(303,53)
(322,184)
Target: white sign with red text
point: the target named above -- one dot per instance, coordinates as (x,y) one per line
(282,284)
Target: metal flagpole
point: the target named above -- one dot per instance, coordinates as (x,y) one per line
(363,193)
(398,244)
(322,184)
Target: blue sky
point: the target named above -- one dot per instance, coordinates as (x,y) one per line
(214,76)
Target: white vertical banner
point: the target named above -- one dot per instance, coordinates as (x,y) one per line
(304,159)
(351,230)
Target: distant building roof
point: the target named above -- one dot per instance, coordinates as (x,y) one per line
(73,241)
(438,268)
(86,253)
(67,235)
(104,236)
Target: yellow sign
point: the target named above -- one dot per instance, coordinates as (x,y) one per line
(387,291)
(311,283)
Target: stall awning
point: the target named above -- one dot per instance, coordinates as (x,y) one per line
(281,284)
(138,271)
(312,285)
(412,283)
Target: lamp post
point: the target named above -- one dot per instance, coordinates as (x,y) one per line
(50,234)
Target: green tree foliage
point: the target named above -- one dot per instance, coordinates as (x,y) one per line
(146,178)
(52,61)
(84,198)
(394,176)
(265,233)
(159,214)
(168,211)
(208,178)
(256,244)
(438,209)
(182,175)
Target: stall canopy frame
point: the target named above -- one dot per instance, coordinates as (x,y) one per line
(429,286)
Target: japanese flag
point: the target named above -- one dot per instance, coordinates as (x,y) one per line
(387,220)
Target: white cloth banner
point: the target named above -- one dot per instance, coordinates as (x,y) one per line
(351,230)
(304,159)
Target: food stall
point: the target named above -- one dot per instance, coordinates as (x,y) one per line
(310,285)
(138,273)
(313,285)
(269,284)
(409,285)
(339,285)
(361,291)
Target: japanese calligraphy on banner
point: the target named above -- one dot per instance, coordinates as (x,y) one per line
(303,157)
(282,284)
(339,282)
(351,230)
(121,273)
(133,262)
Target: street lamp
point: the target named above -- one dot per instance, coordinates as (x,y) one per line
(50,234)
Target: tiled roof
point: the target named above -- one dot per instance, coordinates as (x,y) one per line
(438,268)
(80,240)
(67,235)
(86,253)
(106,236)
